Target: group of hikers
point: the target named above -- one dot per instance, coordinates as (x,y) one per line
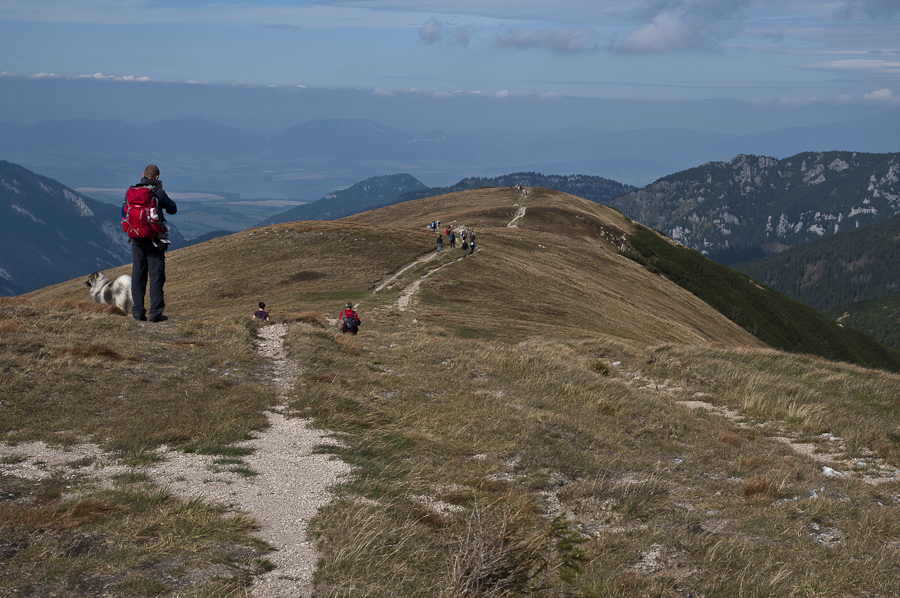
(467,237)
(348,320)
(144,222)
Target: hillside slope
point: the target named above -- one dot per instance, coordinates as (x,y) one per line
(561,270)
(546,262)
(546,417)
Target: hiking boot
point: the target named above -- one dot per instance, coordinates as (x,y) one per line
(159,318)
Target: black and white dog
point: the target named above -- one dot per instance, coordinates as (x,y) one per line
(108,292)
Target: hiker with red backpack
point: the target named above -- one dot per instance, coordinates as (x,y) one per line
(145,224)
(349,320)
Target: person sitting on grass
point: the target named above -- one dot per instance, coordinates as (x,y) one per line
(261,313)
(349,320)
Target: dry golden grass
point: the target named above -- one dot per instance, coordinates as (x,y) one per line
(545,376)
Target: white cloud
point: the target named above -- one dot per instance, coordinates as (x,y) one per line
(386,93)
(882,95)
(502,94)
(45,76)
(435,31)
(431,32)
(687,25)
(859,65)
(665,32)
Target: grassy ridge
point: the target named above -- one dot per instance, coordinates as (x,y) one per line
(776,319)
(544,418)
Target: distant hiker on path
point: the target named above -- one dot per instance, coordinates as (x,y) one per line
(472,245)
(349,320)
(261,313)
(465,248)
(148,251)
(440,242)
(452,240)
(448,230)
(433,228)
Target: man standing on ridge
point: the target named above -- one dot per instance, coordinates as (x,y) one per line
(149,256)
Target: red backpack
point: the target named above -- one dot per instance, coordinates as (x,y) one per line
(140,214)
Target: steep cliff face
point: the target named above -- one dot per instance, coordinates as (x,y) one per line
(756,205)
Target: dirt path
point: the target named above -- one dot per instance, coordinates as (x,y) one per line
(520,213)
(411,289)
(291,484)
(390,281)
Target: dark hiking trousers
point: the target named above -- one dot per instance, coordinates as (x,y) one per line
(149,262)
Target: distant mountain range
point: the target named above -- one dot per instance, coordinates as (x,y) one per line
(51,233)
(752,206)
(312,159)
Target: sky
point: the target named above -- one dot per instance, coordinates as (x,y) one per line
(838,55)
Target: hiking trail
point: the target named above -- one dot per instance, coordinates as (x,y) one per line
(291,484)
(520,213)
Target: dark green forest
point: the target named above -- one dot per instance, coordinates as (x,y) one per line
(857,265)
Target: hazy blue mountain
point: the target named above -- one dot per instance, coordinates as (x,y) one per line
(305,161)
(369,194)
(51,233)
(755,205)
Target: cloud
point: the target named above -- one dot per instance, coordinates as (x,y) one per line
(385,93)
(877,9)
(686,25)
(858,65)
(102,77)
(435,31)
(882,95)
(555,40)
(502,95)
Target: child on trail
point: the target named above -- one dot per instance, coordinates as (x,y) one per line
(261,313)
(349,320)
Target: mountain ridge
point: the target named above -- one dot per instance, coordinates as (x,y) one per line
(738,210)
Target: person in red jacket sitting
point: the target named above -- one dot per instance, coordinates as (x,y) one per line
(349,320)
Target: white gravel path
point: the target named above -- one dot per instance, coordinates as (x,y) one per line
(291,485)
